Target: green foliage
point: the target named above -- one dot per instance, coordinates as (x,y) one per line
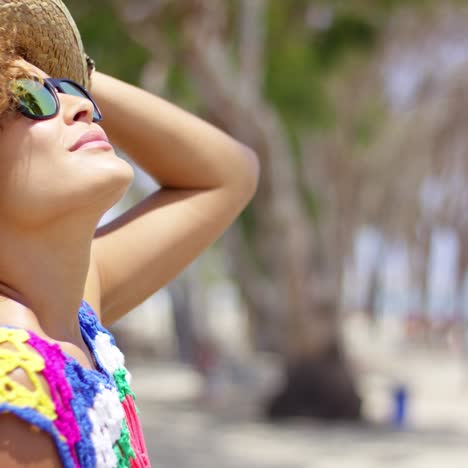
(312,202)
(249,228)
(348,33)
(368,123)
(293,80)
(106,40)
(180,89)
(248,223)
(390,4)
(170,27)
(300,59)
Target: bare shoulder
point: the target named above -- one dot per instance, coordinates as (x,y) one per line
(17,315)
(24,445)
(17,370)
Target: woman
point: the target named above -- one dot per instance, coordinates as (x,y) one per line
(64,393)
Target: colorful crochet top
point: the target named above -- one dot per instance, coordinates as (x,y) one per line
(90,414)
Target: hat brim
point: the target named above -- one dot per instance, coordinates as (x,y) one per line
(46,35)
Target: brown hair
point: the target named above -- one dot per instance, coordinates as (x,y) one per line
(10,69)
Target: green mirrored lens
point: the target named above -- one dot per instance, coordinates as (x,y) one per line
(70,88)
(35,98)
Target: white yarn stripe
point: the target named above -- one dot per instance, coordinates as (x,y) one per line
(106,417)
(110,356)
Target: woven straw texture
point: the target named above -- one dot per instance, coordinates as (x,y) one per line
(46,36)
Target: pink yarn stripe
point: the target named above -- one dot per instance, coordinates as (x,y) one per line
(137,438)
(60,390)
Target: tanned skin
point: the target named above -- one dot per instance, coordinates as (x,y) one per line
(51,199)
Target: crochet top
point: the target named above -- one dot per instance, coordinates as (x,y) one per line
(90,413)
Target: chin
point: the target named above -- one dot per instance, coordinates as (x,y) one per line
(84,190)
(118,179)
(121,171)
(106,169)
(99,184)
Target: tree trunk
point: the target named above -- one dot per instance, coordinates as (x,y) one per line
(372,296)
(296,316)
(461,313)
(419,269)
(184,320)
(300,315)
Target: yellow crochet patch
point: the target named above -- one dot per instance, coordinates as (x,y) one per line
(31,362)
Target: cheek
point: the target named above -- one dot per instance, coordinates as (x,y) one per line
(24,145)
(27,173)
(22,191)
(41,181)
(41,188)
(76,176)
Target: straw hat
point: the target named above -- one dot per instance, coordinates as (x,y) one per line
(47,36)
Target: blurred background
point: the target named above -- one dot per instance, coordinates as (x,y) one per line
(328,327)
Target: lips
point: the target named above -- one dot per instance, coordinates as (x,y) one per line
(93,136)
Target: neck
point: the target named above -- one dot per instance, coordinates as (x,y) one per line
(46,271)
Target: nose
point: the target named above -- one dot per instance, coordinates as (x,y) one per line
(76,109)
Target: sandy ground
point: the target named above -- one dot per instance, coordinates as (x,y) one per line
(227,432)
(183,433)
(184,438)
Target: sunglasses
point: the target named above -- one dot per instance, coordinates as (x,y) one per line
(38,100)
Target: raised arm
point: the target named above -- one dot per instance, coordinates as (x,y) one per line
(207,178)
